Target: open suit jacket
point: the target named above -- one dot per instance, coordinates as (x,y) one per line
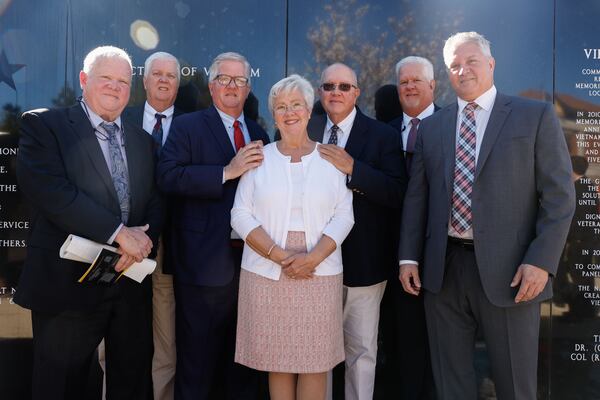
(378,183)
(135,115)
(191,169)
(63,173)
(522,200)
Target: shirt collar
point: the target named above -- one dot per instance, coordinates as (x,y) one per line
(424,114)
(148,109)
(95,119)
(485,101)
(228,120)
(345,125)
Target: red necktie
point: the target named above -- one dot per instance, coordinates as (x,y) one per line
(238,136)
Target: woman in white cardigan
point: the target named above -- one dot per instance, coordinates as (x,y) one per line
(293,212)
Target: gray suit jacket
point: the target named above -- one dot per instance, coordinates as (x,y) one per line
(522,201)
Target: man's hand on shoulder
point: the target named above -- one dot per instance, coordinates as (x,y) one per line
(532,280)
(250,156)
(338,157)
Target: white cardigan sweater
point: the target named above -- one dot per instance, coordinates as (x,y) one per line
(263,198)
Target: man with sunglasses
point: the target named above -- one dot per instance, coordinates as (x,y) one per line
(205,154)
(369,153)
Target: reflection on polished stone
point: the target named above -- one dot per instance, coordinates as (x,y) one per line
(144,34)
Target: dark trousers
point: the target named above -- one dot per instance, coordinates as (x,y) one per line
(408,372)
(461,309)
(205,326)
(65,343)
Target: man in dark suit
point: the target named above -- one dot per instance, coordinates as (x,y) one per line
(199,166)
(88,173)
(369,153)
(409,372)
(486,214)
(161,82)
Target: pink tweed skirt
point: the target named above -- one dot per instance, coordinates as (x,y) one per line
(292,326)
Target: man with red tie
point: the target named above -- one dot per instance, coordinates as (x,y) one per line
(205,154)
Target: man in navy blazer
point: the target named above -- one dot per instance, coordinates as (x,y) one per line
(486,215)
(161,82)
(409,371)
(369,153)
(199,167)
(89,173)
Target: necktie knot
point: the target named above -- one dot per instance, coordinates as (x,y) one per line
(471,107)
(159,116)
(415,121)
(110,128)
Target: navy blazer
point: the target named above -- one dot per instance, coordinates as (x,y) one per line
(191,170)
(378,183)
(63,173)
(135,115)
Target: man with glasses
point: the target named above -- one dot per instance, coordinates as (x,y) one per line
(369,153)
(205,154)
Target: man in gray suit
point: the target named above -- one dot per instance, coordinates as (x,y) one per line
(490,192)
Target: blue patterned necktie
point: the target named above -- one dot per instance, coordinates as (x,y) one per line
(157,131)
(118,170)
(333,139)
(464,171)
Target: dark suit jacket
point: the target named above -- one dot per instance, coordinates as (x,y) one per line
(61,170)
(135,115)
(378,183)
(522,199)
(191,169)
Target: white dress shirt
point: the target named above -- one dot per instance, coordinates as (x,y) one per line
(263,198)
(406,122)
(102,137)
(228,121)
(149,120)
(482,116)
(344,132)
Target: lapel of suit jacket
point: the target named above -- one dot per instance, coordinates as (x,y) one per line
(83,128)
(448,134)
(500,111)
(253,130)
(358,135)
(217,129)
(316,127)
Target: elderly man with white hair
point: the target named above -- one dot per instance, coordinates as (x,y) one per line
(89,173)
(485,218)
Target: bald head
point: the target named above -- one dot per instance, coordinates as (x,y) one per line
(338,91)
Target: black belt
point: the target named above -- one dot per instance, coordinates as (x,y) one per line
(464,243)
(236,243)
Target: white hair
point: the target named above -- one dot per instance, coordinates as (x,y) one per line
(427,65)
(229,56)
(461,38)
(292,82)
(161,55)
(104,52)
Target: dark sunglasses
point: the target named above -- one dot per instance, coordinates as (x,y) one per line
(343,87)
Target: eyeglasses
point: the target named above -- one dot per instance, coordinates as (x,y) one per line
(343,87)
(225,80)
(282,108)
